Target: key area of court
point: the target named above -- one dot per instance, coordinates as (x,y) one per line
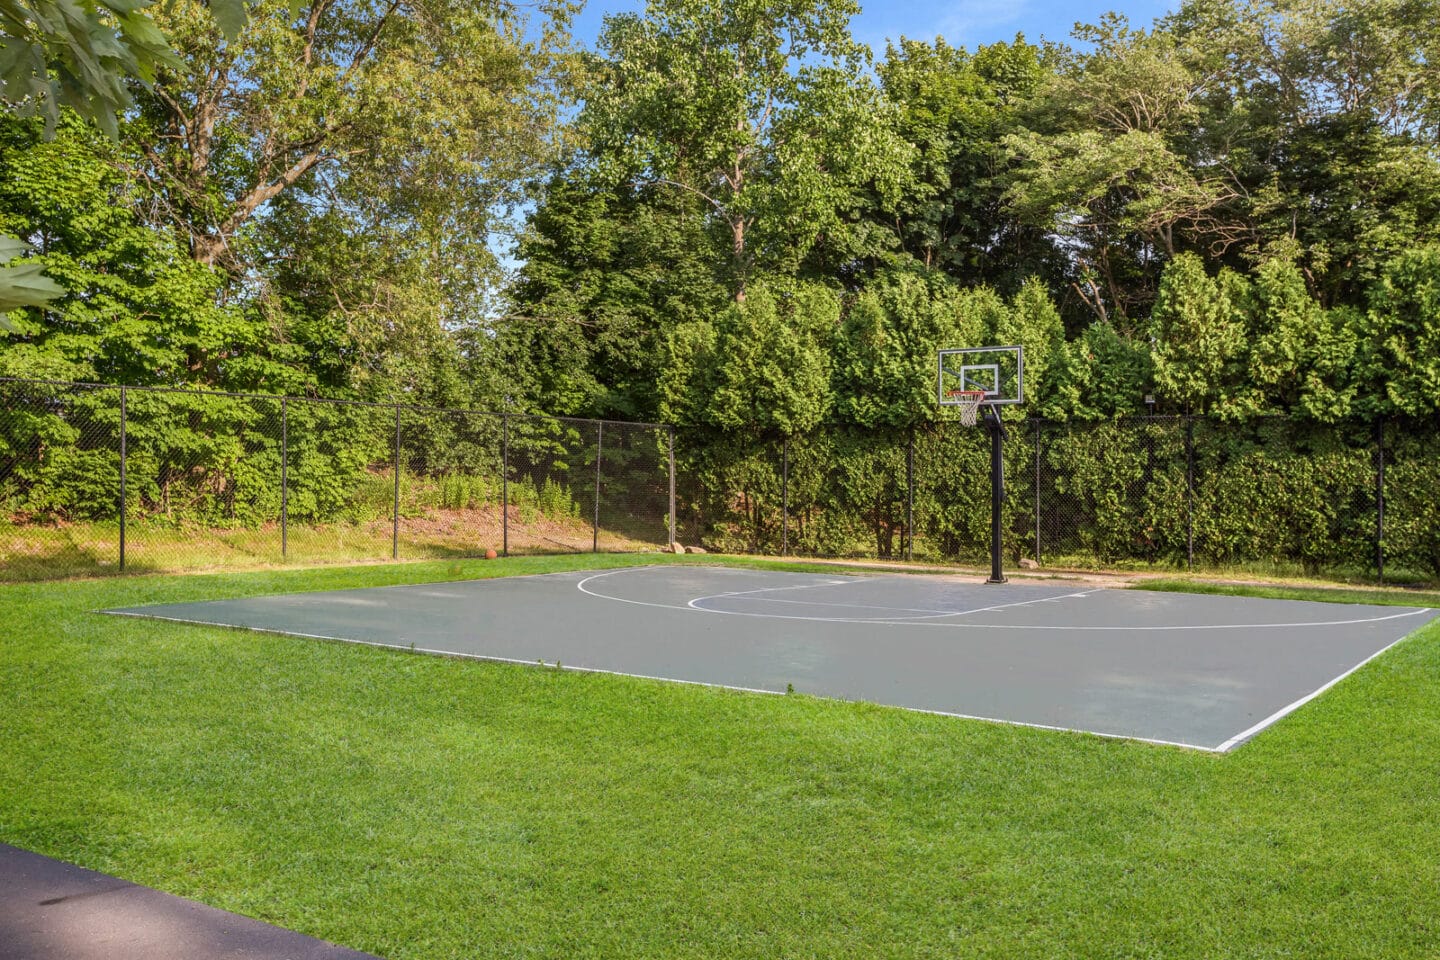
(1200,671)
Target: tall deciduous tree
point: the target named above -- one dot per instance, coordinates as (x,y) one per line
(1102,165)
(955,108)
(136,307)
(385,138)
(433,111)
(760,108)
(82,55)
(1327,113)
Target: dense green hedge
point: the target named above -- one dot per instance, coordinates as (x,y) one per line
(1161,490)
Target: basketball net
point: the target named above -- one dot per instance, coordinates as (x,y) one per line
(969,402)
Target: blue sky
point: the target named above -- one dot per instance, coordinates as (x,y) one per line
(963,24)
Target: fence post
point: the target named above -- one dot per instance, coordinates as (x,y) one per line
(505,484)
(284,477)
(395,519)
(674,534)
(1380,499)
(784,496)
(910,496)
(599,448)
(1037,491)
(1189,492)
(123,457)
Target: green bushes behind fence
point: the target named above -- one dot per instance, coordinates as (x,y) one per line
(1168,491)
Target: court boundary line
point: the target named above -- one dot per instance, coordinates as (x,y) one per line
(540,663)
(453,654)
(1244,736)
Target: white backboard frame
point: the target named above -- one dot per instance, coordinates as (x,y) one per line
(979,368)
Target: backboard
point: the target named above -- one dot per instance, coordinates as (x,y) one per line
(999,371)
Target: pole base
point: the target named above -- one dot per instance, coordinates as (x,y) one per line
(998,580)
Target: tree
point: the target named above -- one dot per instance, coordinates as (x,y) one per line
(430,112)
(1033,322)
(352,163)
(1327,115)
(136,308)
(81,55)
(1099,375)
(886,346)
(1399,362)
(608,271)
(956,108)
(1195,333)
(1103,164)
(764,363)
(759,108)
(77,56)
(1300,356)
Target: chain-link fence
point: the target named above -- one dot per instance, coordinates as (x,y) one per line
(1270,494)
(100,478)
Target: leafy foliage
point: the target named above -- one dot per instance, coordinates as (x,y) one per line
(757,108)
(137,309)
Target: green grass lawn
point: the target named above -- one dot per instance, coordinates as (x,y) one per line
(417,806)
(1283,591)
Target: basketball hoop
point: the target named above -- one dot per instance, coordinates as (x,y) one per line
(969,403)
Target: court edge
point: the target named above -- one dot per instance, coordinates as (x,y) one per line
(406,648)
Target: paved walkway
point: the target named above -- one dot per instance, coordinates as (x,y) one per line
(57,911)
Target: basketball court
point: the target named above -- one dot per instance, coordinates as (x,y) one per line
(1207,672)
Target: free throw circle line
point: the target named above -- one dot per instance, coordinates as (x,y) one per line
(691,605)
(926,612)
(931,622)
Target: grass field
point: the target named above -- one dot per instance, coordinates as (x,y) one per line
(417,806)
(1409,597)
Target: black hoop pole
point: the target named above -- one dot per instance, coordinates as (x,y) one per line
(997,494)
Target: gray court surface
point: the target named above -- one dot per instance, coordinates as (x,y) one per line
(1207,672)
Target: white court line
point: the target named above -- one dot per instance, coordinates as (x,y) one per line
(931,621)
(928,614)
(1025,603)
(1187,626)
(898,621)
(409,648)
(1288,709)
(793,586)
(831,603)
